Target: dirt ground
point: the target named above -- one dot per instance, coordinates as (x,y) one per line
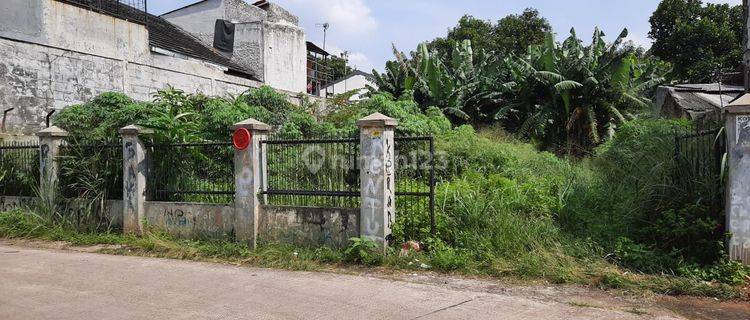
(27,266)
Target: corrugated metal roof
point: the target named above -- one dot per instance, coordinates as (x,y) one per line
(698,98)
(311,47)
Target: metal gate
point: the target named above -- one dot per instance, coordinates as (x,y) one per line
(325,173)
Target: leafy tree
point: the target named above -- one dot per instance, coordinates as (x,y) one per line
(511,35)
(515,33)
(697,39)
(338,66)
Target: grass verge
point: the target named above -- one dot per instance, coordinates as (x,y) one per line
(20,225)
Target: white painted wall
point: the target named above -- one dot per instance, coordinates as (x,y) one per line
(354,82)
(268,43)
(198,19)
(284,57)
(70,27)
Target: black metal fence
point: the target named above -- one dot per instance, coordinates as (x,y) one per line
(191,172)
(699,160)
(325,172)
(19,168)
(312,172)
(132,10)
(415,185)
(91,171)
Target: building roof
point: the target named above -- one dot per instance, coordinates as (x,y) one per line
(311,47)
(349,76)
(699,98)
(261,3)
(162,33)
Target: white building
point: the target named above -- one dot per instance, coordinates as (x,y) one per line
(357,80)
(267,38)
(57,53)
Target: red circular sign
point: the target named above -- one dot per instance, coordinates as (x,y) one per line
(241,138)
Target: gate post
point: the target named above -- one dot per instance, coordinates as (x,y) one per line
(50,140)
(135,167)
(248,180)
(737,128)
(377,177)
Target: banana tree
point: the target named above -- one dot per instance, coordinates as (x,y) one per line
(571,95)
(464,87)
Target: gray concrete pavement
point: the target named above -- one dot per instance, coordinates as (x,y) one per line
(51,284)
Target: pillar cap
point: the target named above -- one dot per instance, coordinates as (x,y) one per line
(377,119)
(133,130)
(739,105)
(252,125)
(53,131)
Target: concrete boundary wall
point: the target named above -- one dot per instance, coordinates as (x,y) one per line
(187,220)
(249,219)
(308,225)
(35,78)
(276,224)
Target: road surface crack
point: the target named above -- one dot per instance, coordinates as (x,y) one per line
(443,309)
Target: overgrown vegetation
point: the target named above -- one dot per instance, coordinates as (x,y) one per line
(613,215)
(566,97)
(503,207)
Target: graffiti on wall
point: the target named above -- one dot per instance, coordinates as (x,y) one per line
(191,220)
(378,185)
(13,203)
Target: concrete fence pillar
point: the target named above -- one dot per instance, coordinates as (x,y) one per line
(378,177)
(135,168)
(249,163)
(50,140)
(738,182)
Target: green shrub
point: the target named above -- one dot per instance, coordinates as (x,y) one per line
(633,206)
(100,119)
(446,258)
(364,251)
(724,271)
(412,121)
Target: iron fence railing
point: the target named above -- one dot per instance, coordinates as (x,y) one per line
(191,172)
(415,184)
(19,168)
(312,172)
(699,158)
(131,10)
(319,76)
(91,171)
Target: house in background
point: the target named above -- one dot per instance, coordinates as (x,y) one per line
(319,75)
(57,53)
(266,38)
(356,80)
(701,103)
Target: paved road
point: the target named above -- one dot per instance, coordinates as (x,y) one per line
(50,284)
